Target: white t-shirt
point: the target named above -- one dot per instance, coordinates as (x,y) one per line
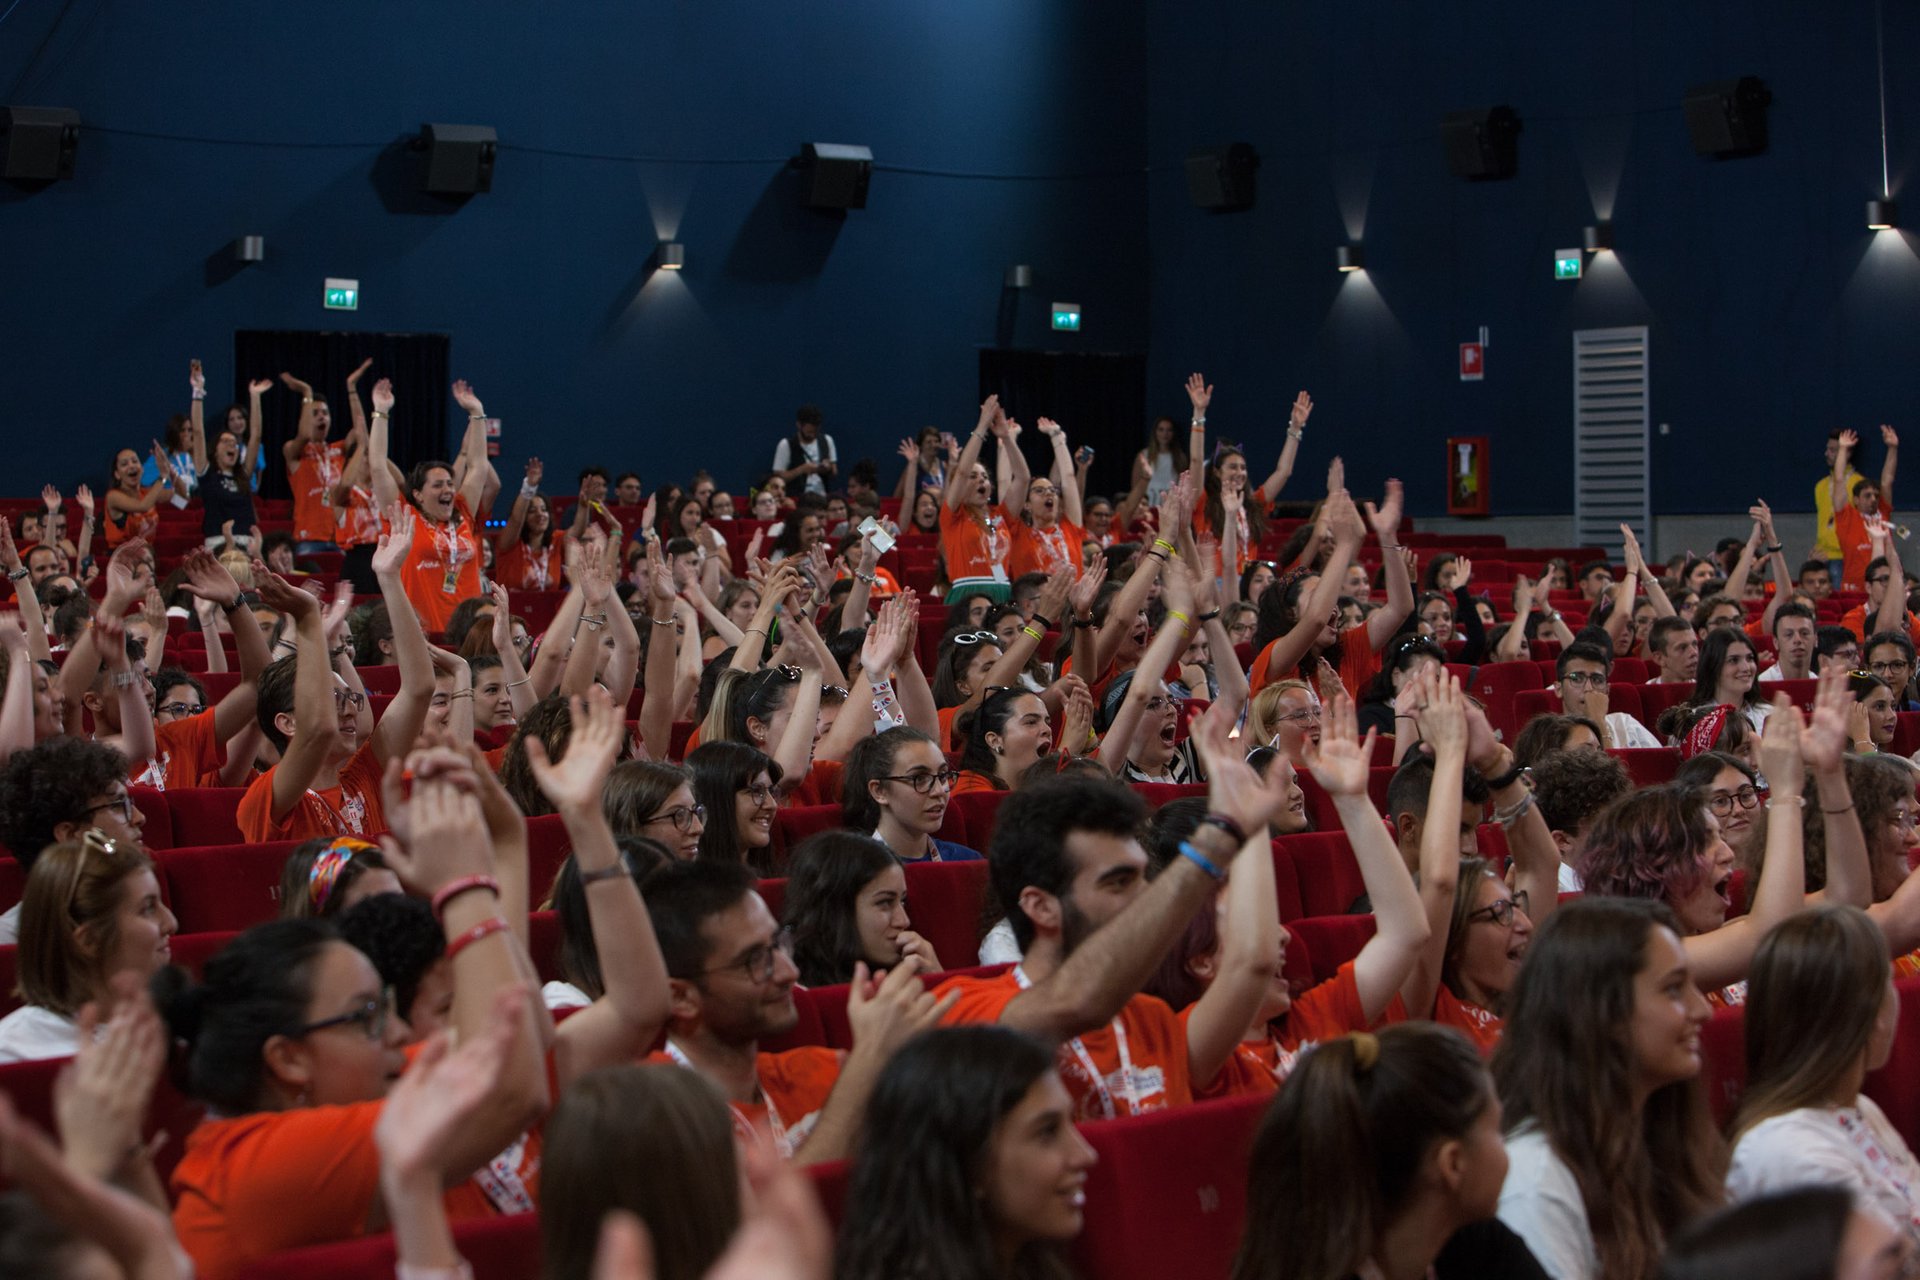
(1569,880)
(1540,1202)
(819,449)
(30,1033)
(999,947)
(1629,733)
(10,926)
(563,995)
(1853,1147)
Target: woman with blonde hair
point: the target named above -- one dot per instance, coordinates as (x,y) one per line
(91,911)
(1285,715)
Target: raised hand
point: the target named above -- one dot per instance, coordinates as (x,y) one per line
(334,621)
(1343,518)
(910,451)
(446,835)
(1780,758)
(1339,762)
(1385,518)
(1076,724)
(1049,428)
(396,540)
(502,619)
(442,1092)
(1823,743)
(887,1011)
(1849,440)
(1336,476)
(353,379)
(1636,562)
(127,573)
(535,471)
(463,395)
(84,496)
(989,414)
(1200,392)
(951,444)
(1889,437)
(1087,590)
(295,384)
(575,783)
(9,554)
(51,497)
(100,1098)
(196,379)
(277,594)
(383,396)
(1302,410)
(259,386)
(162,463)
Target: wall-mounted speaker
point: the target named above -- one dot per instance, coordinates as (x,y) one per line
(38,144)
(1221,178)
(459,158)
(1728,117)
(836,175)
(1483,144)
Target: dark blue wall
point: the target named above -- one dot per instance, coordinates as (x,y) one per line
(1774,312)
(106,287)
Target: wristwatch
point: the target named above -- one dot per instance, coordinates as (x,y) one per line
(14,575)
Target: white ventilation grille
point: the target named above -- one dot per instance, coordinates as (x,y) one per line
(1610,481)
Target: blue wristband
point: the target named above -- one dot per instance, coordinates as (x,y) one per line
(1200,860)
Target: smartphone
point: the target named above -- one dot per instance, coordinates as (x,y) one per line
(881,539)
(1085,454)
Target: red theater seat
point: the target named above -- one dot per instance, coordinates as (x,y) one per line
(547,847)
(1324,865)
(203,816)
(157,831)
(224,887)
(1331,941)
(976,811)
(1896,1086)
(506,1248)
(791,826)
(543,943)
(1723,1062)
(946,902)
(29,1086)
(1649,766)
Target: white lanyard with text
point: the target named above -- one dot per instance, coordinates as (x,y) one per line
(741,1124)
(1093,1073)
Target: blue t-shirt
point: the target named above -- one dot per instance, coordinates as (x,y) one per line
(949,852)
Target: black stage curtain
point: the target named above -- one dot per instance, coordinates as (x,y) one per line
(1100,399)
(418,363)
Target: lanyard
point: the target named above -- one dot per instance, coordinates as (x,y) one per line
(322,457)
(499,1179)
(1127,1094)
(742,1126)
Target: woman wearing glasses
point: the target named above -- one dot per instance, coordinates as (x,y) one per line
(736,785)
(655,800)
(91,910)
(897,785)
(1286,716)
(847,904)
(1733,795)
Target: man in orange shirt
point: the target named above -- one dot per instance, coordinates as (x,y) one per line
(1886,594)
(314,466)
(731,979)
(327,782)
(1070,873)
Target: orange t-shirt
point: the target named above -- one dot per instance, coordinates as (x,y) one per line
(1091,1065)
(946,715)
(185,751)
(350,808)
(357,524)
(442,566)
(1045,550)
(1855,620)
(974,780)
(1244,550)
(1324,1012)
(313,479)
(1359,663)
(520,568)
(139,524)
(794,1084)
(820,786)
(1482,1026)
(1856,547)
(975,550)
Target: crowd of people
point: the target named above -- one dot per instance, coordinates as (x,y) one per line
(1505,1079)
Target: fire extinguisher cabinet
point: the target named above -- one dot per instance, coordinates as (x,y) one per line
(1467,476)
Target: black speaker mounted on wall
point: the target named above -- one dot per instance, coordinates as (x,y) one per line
(1483,143)
(1220,179)
(1729,117)
(37,144)
(835,175)
(459,158)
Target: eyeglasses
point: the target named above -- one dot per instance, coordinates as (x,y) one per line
(1905,818)
(1722,802)
(834,691)
(1887,668)
(1305,715)
(762,793)
(123,803)
(923,783)
(178,709)
(1501,912)
(1584,679)
(348,699)
(1880,581)
(976,637)
(371,1017)
(682,816)
(759,963)
(1160,702)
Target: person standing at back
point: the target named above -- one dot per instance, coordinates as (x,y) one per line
(1826,542)
(808,454)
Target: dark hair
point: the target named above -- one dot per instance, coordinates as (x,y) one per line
(682,896)
(297,889)
(1702,769)
(374,626)
(914,1206)
(1592,566)
(1713,656)
(1566,1065)
(1572,786)
(1430,580)
(255,988)
(1581,651)
(950,661)
(1650,844)
(960,606)
(656,1141)
(1793,609)
(274,696)
(1791,1235)
(1030,837)
(872,758)
(1408,788)
(1405,652)
(1878,638)
(577,956)
(721,769)
(50,783)
(990,716)
(1662,628)
(417,479)
(1254,505)
(1338,1156)
(172,678)
(1862,684)
(402,938)
(825,874)
(636,791)
(1878,784)
(551,721)
(1547,733)
(1828,641)
(758,697)
(462,619)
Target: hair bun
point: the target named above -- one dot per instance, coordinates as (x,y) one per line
(181,1001)
(1366,1050)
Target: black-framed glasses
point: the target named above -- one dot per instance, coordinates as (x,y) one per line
(371,1017)
(348,699)
(759,963)
(122,802)
(1880,581)
(1501,912)
(682,816)
(1585,679)
(1888,668)
(762,793)
(178,709)
(923,783)
(1723,802)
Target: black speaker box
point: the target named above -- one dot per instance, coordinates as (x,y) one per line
(459,158)
(1728,117)
(1482,143)
(836,175)
(1221,178)
(37,144)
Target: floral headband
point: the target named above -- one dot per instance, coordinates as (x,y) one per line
(328,867)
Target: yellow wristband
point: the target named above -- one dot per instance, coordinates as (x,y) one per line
(1037,635)
(1185,621)
(1162,542)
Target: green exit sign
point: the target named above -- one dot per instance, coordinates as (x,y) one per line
(1566,264)
(1066,316)
(343,295)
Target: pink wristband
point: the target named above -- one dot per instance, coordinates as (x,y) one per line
(454,888)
